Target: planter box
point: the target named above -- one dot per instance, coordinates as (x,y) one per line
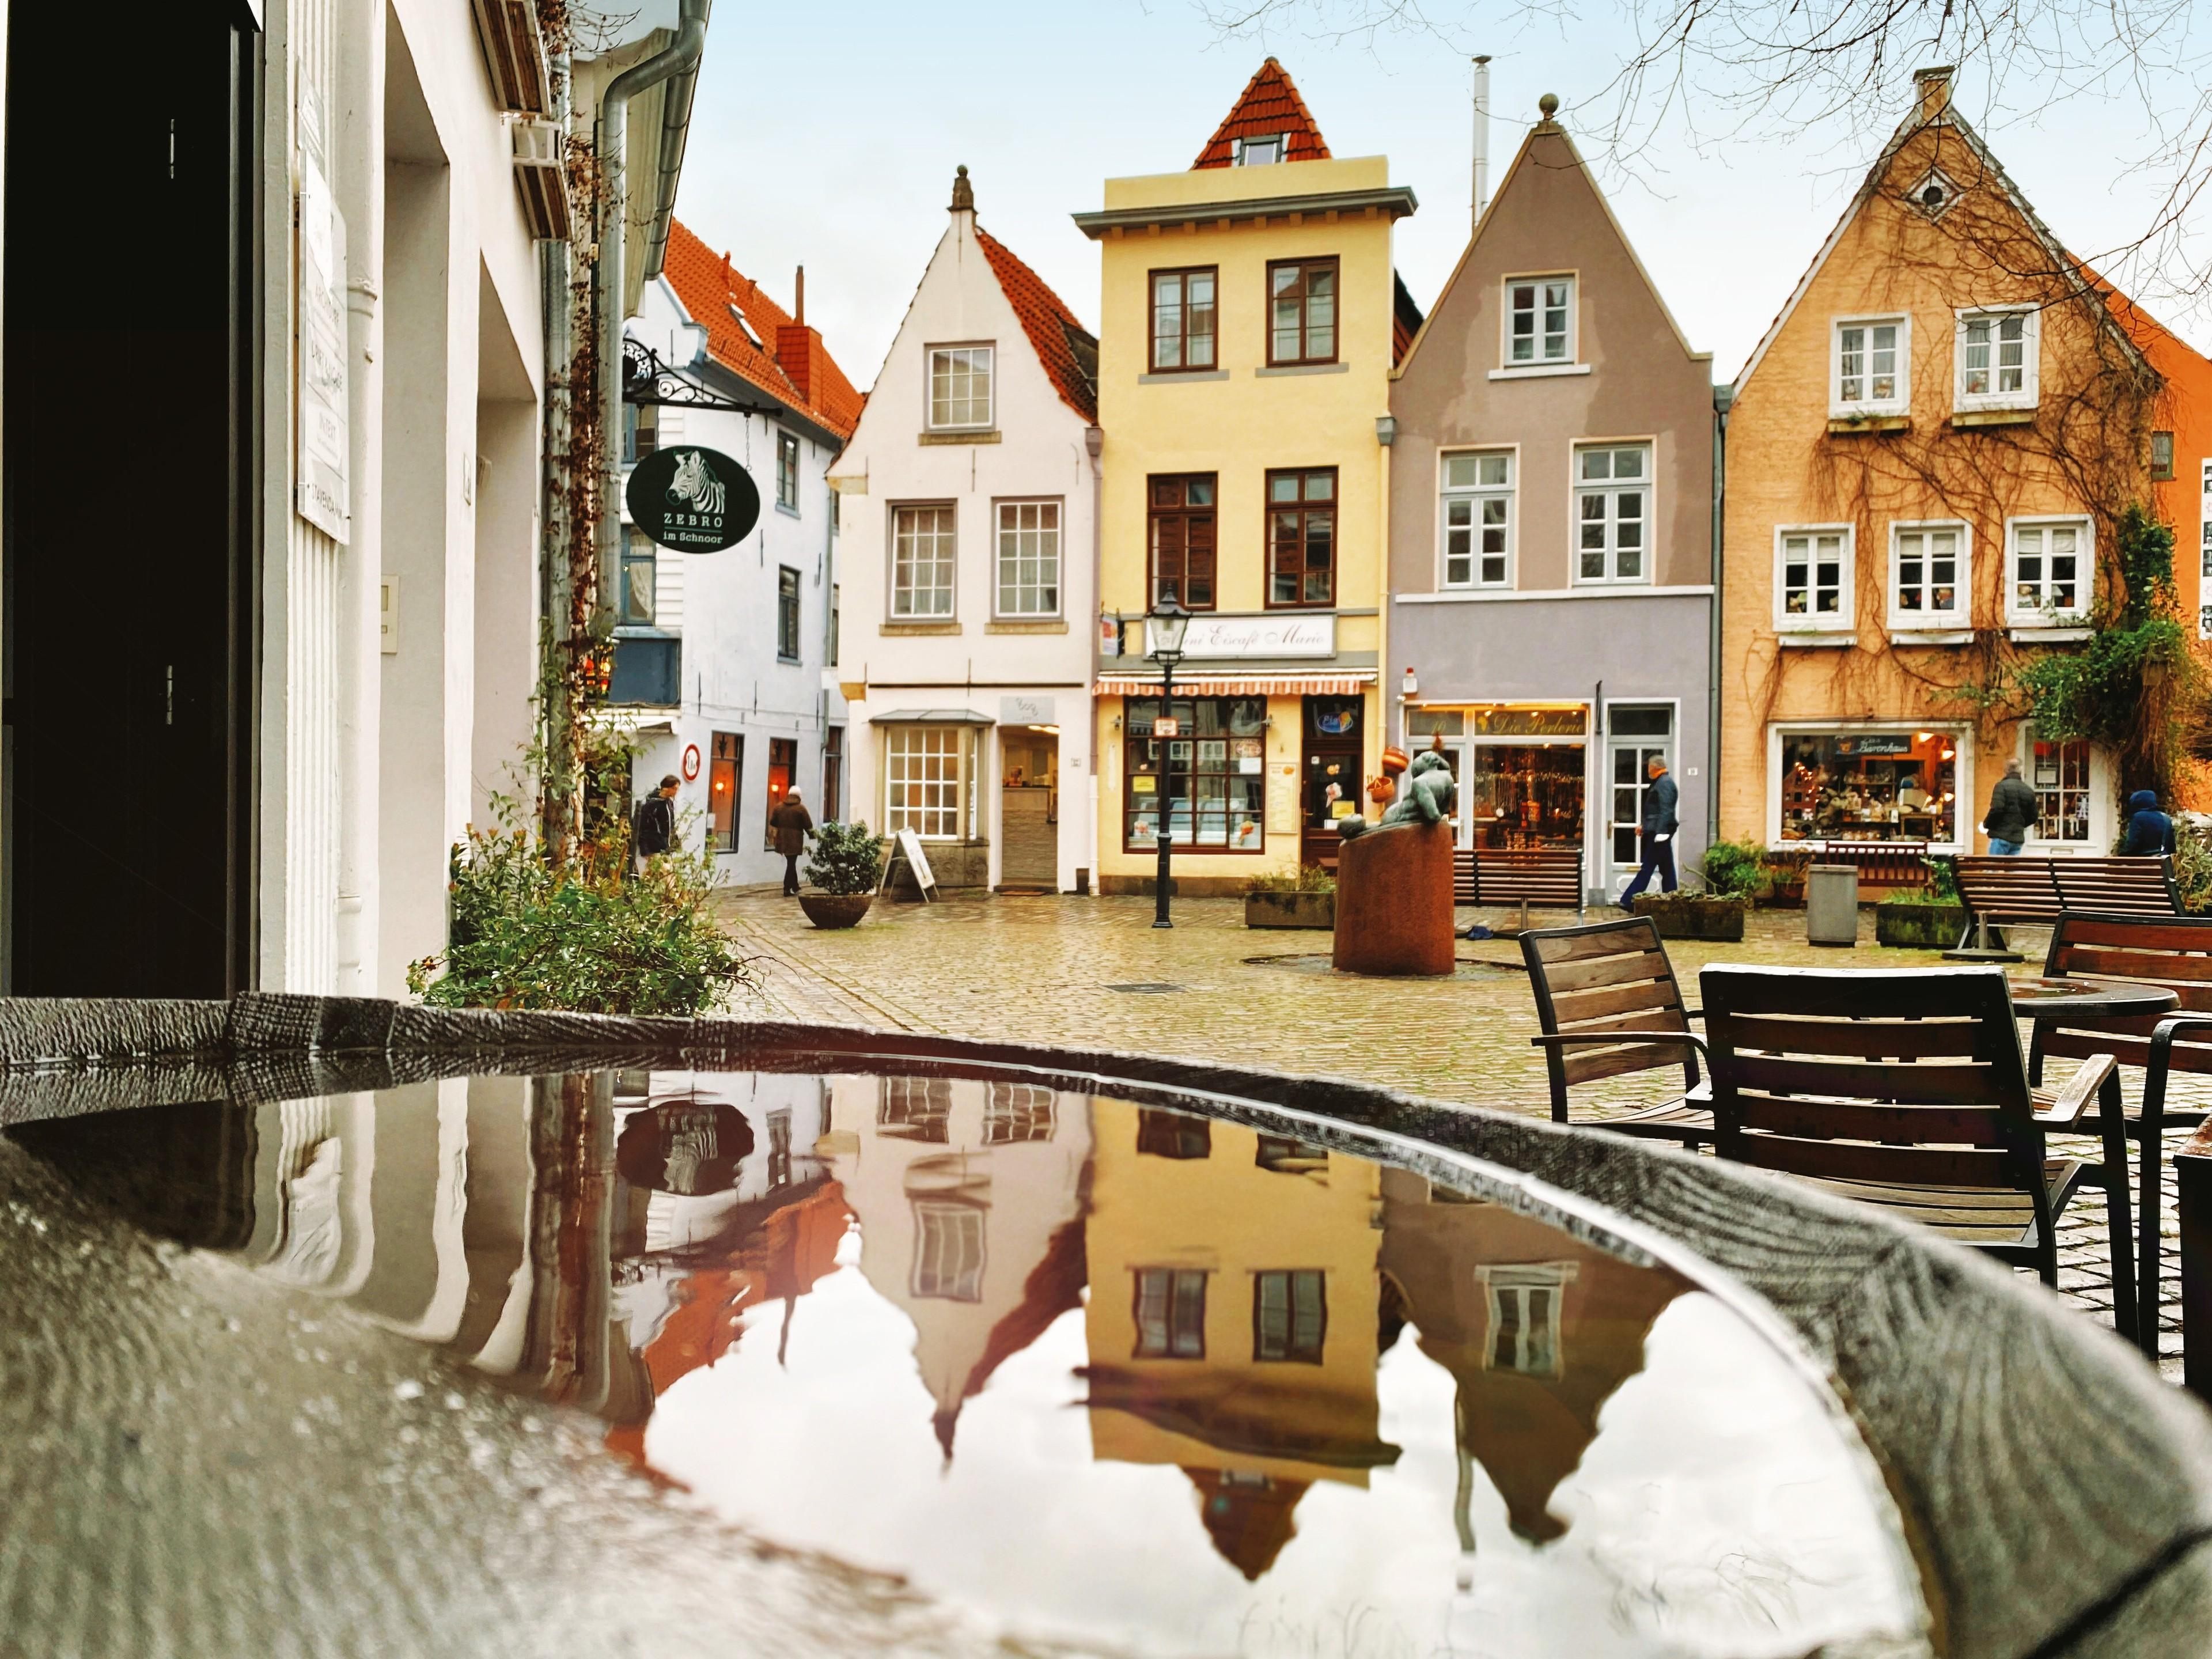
(1681,915)
(1290,910)
(1920,927)
(836,909)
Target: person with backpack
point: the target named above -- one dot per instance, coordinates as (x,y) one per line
(653,827)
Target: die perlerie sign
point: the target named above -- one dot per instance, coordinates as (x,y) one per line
(692,500)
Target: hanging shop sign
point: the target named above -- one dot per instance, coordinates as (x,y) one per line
(692,500)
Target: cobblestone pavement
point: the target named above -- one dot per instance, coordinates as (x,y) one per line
(1094,972)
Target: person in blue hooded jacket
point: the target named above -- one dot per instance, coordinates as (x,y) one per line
(2149,832)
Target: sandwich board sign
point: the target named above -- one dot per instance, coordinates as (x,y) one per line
(907,845)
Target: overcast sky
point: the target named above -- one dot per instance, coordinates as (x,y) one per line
(827,134)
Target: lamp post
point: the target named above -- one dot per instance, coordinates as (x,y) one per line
(1164,625)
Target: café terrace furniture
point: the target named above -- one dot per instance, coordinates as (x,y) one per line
(1549,876)
(1904,1089)
(2140,956)
(2031,889)
(1604,993)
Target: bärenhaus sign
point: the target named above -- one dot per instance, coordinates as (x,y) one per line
(1258,637)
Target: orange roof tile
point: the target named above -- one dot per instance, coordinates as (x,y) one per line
(1270,105)
(1068,351)
(709,287)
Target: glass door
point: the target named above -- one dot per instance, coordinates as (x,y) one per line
(1634,739)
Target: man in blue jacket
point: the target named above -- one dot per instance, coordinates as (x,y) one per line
(2149,832)
(1659,826)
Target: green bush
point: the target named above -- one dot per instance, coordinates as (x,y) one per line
(1308,878)
(1941,888)
(1735,869)
(845,860)
(2192,862)
(591,937)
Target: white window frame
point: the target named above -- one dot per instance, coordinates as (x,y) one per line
(2076,615)
(2031,355)
(1056,530)
(1845,616)
(1650,489)
(1964,818)
(895,592)
(1537,360)
(1476,495)
(2099,791)
(1839,406)
(931,356)
(1960,616)
(905,767)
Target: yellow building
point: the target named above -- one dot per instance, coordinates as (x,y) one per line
(1250,319)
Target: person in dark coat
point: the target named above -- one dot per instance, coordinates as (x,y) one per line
(791,824)
(2012,813)
(2149,832)
(1660,800)
(653,829)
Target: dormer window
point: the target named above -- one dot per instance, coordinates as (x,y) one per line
(747,326)
(1262,152)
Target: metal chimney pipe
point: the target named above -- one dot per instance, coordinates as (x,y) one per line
(1482,137)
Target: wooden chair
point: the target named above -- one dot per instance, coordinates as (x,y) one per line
(1603,993)
(2176,954)
(1905,1090)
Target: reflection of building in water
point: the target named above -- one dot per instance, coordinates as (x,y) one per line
(1233,1317)
(970,1200)
(1537,1329)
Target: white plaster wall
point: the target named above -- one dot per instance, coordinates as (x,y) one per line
(1042,452)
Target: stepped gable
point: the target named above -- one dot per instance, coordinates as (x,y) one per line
(708,286)
(1068,351)
(1270,105)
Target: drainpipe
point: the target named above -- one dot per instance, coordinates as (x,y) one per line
(1723,399)
(680,59)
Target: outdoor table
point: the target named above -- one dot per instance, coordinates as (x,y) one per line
(2087,1001)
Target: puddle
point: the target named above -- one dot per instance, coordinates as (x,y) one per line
(1100,1374)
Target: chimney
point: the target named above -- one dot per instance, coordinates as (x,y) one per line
(1482,137)
(1935,86)
(798,296)
(798,354)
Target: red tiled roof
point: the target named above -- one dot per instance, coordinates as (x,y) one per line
(788,353)
(1068,351)
(1270,105)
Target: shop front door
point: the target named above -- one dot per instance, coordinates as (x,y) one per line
(1335,741)
(1029,810)
(1634,739)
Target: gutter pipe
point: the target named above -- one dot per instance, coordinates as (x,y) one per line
(1723,400)
(679,61)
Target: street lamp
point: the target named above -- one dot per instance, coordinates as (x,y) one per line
(1164,625)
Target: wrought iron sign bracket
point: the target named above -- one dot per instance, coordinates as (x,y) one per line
(646,380)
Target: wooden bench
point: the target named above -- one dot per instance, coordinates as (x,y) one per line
(2001,890)
(1550,876)
(1880,863)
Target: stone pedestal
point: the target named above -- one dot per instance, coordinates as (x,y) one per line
(1394,900)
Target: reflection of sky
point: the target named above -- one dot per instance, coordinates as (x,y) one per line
(1715,1467)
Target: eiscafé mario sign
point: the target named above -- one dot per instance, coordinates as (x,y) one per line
(1260,636)
(692,500)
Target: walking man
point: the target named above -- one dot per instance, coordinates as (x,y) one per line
(1659,826)
(653,830)
(2012,813)
(793,824)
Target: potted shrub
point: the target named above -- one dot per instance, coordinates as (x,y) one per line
(843,868)
(1305,899)
(1734,872)
(1928,918)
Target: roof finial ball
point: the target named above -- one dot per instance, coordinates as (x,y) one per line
(1548,104)
(963,193)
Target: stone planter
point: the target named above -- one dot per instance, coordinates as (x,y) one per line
(1694,915)
(1290,909)
(1920,927)
(836,909)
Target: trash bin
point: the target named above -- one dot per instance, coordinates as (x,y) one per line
(1831,904)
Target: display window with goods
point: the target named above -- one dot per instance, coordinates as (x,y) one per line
(1210,777)
(1857,785)
(1522,770)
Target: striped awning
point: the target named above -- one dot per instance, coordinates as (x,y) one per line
(1236,685)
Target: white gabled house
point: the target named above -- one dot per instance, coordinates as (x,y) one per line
(969,500)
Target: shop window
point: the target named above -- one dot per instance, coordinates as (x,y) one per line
(1029,558)
(1014,1113)
(1996,359)
(1521,794)
(921,562)
(948,1251)
(1182,528)
(1870,362)
(1478,521)
(1170,1309)
(1182,320)
(782,772)
(927,780)
(959,387)
(1540,321)
(724,777)
(1812,577)
(1301,312)
(915,1108)
(1301,537)
(1612,512)
(2059,773)
(1172,1134)
(786,614)
(1869,786)
(1928,581)
(2050,562)
(1290,1316)
(639,569)
(1212,773)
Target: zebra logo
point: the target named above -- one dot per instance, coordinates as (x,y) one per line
(695,485)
